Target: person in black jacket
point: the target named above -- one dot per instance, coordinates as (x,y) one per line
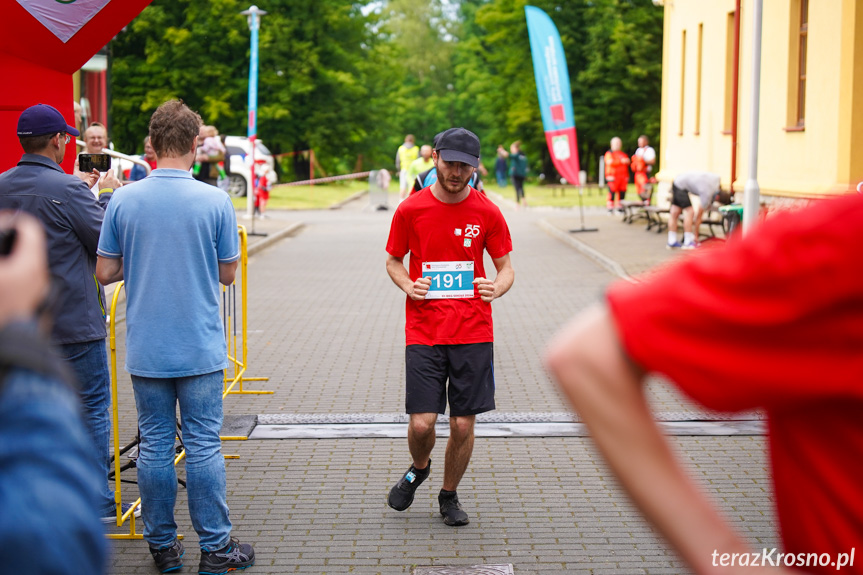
(72,218)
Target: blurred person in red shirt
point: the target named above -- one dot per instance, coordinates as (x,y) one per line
(616,174)
(772,322)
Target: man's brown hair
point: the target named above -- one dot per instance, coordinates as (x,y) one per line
(173,129)
(35,144)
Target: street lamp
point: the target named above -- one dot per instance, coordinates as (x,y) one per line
(254,15)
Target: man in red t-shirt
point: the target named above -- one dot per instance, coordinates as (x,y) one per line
(448,330)
(784,308)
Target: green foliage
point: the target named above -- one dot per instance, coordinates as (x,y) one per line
(614,55)
(349,78)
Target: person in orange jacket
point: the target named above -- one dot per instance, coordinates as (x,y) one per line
(642,165)
(616,174)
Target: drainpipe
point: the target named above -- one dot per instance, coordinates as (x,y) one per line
(751,192)
(735,83)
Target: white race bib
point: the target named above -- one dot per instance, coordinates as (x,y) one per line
(449,279)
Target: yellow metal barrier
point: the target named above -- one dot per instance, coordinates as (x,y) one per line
(239,365)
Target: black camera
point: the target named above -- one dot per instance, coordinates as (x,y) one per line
(7,240)
(89,162)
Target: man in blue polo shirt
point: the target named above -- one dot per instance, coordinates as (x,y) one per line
(173,240)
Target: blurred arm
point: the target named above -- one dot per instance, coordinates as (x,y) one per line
(605,388)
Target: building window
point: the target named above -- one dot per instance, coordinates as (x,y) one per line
(801,62)
(698,81)
(797,52)
(729,71)
(682,78)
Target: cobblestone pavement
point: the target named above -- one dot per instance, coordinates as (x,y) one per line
(326,325)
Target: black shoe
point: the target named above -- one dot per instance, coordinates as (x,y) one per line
(451,510)
(169,558)
(402,493)
(111,518)
(233,556)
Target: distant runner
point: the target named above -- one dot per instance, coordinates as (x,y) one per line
(449,333)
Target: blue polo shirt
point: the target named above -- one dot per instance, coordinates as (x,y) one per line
(172,232)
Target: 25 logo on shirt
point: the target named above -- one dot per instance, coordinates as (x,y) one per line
(471,231)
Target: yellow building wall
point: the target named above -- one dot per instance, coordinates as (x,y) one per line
(810,163)
(682,148)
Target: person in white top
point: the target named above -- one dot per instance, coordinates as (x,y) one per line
(95,142)
(642,166)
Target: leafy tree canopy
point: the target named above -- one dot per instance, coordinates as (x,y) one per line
(350,79)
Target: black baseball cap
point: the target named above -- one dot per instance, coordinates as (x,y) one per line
(458,145)
(43,119)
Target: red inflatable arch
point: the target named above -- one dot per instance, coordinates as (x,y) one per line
(36,65)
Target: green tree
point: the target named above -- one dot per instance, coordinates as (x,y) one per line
(350,79)
(315,73)
(614,54)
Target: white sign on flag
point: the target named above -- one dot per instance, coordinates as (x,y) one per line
(64,18)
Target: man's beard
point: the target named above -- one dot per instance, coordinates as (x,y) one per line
(453,188)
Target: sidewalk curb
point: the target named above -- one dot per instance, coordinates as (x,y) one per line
(499,199)
(270,240)
(601,259)
(349,199)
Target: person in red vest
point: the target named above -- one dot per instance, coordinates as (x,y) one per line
(616,174)
(642,165)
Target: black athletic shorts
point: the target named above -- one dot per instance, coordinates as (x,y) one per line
(680,197)
(469,369)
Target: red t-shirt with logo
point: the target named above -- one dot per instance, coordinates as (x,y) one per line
(433,231)
(774,321)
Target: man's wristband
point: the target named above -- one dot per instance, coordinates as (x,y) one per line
(106,191)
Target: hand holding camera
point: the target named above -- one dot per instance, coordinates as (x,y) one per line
(24,279)
(92,168)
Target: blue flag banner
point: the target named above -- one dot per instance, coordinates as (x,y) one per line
(553,90)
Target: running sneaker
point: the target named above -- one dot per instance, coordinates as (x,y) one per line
(233,556)
(111,518)
(168,558)
(674,246)
(690,246)
(451,510)
(402,493)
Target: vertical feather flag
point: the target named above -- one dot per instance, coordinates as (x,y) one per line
(555,97)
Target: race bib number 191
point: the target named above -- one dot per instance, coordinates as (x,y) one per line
(449,279)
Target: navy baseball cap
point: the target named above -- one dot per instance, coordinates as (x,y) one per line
(43,119)
(458,145)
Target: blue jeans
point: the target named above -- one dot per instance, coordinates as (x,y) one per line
(89,363)
(200,399)
(48,517)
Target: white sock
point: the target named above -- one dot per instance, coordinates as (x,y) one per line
(688,238)
(672,237)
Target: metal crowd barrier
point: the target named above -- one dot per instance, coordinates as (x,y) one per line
(238,366)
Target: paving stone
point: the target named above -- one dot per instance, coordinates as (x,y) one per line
(326,325)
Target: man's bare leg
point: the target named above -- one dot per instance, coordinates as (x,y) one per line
(688,237)
(458,450)
(421,438)
(673,215)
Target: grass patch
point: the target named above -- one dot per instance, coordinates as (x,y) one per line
(542,195)
(317,197)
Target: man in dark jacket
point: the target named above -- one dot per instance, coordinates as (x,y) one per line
(72,218)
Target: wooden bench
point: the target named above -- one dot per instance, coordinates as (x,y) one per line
(712,218)
(634,209)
